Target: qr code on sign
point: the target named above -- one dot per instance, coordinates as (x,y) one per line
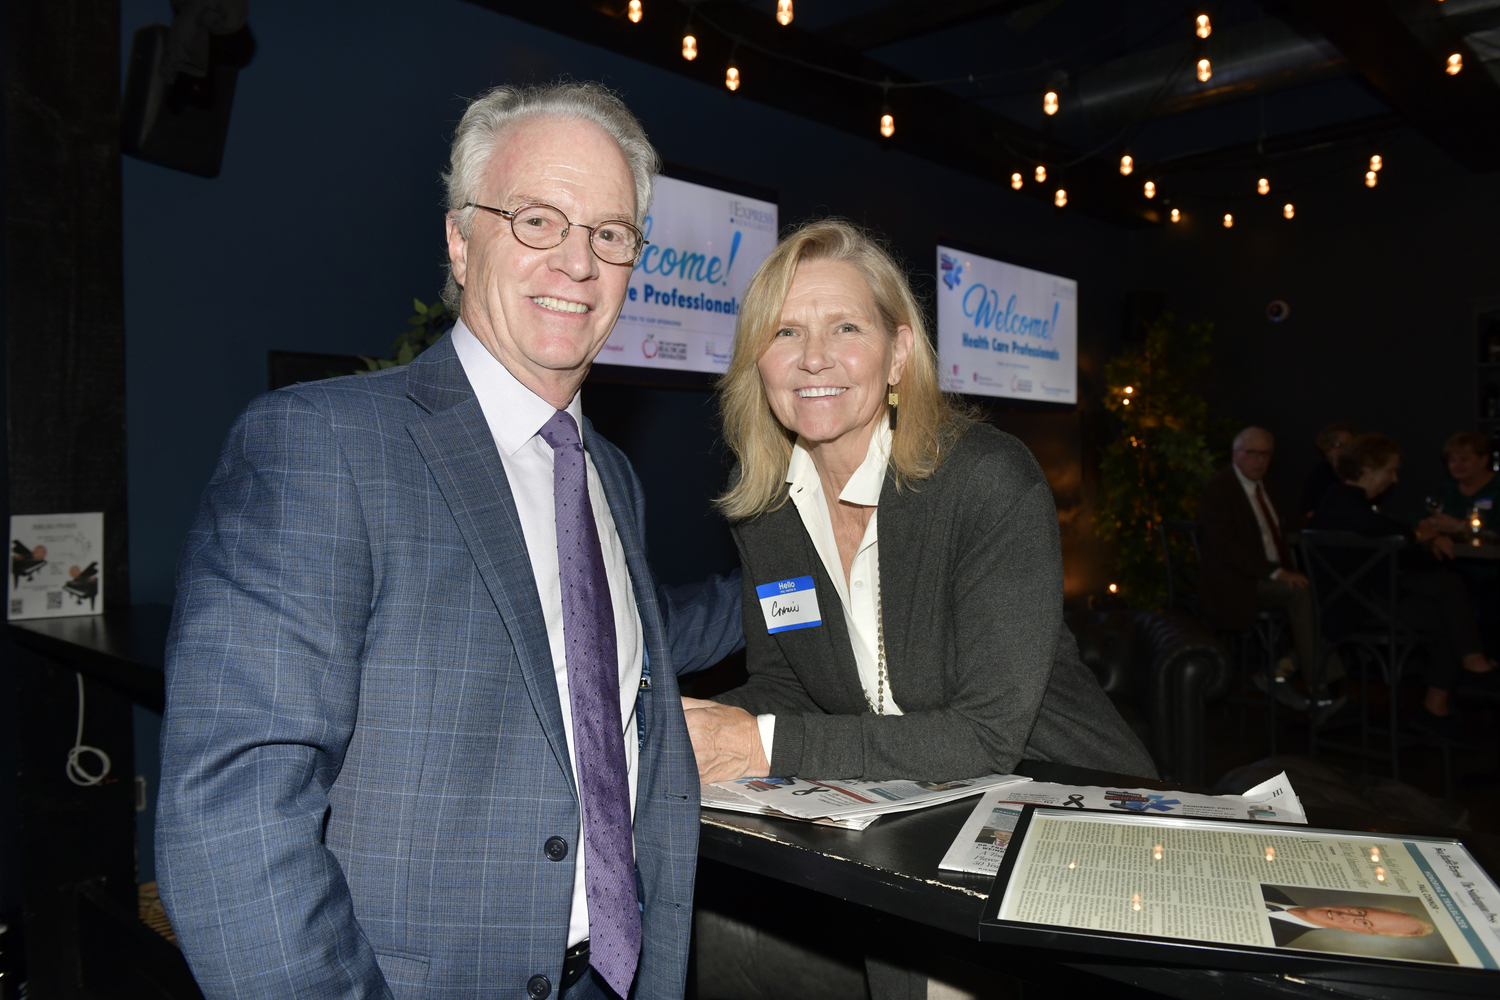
(16,605)
(54,601)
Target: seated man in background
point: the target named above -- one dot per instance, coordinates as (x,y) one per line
(1473,489)
(1331,441)
(1433,601)
(1247,566)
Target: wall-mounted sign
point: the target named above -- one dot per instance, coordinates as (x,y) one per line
(705,244)
(1005,330)
(56,565)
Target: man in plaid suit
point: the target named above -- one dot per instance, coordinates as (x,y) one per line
(423,735)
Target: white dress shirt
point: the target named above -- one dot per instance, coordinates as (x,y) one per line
(858,595)
(1249,485)
(1286,916)
(515,414)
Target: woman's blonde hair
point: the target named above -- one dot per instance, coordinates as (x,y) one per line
(928,421)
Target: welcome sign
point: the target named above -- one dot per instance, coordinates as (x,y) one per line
(684,296)
(1005,330)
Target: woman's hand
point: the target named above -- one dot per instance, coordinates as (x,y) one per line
(1440,524)
(1442,547)
(726,741)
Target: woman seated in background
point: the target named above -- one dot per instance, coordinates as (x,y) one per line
(1331,441)
(1473,489)
(1433,601)
(933,648)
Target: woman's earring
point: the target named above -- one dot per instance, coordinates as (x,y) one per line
(892,397)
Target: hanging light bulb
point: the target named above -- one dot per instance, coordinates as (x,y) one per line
(887,125)
(1205,70)
(1203,29)
(1127,164)
(1150,189)
(1376,162)
(732,78)
(1061,198)
(1041,174)
(1369,178)
(689,48)
(1015,181)
(783,11)
(1049,102)
(1176,215)
(1455,63)
(1287,210)
(635,12)
(1263,186)
(1228,221)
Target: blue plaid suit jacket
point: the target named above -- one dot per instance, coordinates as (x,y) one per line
(363,749)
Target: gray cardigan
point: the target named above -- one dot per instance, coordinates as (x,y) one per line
(977,654)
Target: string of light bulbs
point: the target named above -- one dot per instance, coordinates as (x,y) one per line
(1051,98)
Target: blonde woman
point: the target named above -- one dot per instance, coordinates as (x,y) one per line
(903,579)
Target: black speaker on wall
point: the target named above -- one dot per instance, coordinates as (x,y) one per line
(176,105)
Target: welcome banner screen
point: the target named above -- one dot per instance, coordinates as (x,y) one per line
(685,293)
(1005,330)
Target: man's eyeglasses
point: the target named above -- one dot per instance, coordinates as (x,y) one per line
(543,227)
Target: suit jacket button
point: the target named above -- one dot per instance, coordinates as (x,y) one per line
(556,848)
(538,987)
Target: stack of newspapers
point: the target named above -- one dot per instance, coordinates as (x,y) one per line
(981,843)
(851,805)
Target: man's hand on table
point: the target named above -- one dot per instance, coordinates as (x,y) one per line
(726,741)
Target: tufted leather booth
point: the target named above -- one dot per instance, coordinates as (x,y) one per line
(1160,670)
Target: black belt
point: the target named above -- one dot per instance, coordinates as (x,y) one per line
(575,964)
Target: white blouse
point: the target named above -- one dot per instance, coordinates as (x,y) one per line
(858,595)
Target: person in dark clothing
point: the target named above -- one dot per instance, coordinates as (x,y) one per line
(1473,491)
(1433,600)
(1331,441)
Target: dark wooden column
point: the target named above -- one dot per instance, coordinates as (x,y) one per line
(64,400)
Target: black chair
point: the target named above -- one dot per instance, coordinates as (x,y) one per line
(1183,556)
(1355,583)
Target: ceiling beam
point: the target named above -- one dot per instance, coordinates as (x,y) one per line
(1400,48)
(1314,140)
(902,19)
(777,63)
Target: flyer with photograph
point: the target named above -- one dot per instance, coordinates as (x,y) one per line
(1330,892)
(851,804)
(980,845)
(56,565)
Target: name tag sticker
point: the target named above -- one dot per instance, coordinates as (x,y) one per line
(1484,504)
(789,604)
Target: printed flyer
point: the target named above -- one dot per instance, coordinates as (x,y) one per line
(56,565)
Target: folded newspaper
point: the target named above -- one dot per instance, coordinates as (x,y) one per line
(852,805)
(980,845)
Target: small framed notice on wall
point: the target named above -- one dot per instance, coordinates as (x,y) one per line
(56,565)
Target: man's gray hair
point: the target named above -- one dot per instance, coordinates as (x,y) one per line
(1244,436)
(495,110)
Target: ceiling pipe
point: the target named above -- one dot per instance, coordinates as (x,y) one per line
(1247,60)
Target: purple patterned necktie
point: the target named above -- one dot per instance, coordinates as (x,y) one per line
(594,691)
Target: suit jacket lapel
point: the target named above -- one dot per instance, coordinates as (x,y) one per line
(828,645)
(455,441)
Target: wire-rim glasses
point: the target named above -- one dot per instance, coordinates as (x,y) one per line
(543,227)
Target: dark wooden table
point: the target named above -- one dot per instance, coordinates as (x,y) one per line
(892,868)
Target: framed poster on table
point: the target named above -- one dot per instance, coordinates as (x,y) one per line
(1235,895)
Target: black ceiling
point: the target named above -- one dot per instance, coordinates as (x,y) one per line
(1295,82)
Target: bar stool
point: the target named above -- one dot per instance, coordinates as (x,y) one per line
(1355,583)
